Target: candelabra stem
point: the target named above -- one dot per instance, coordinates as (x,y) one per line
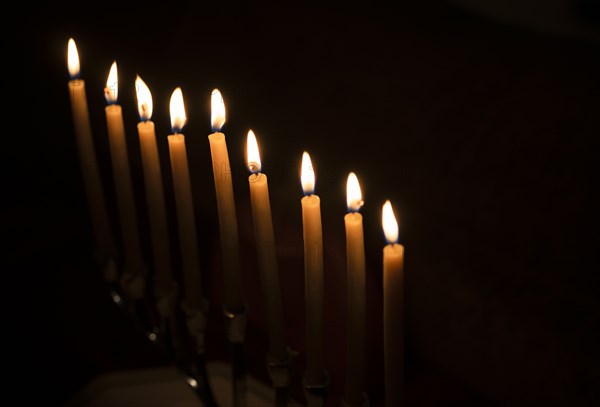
(363,403)
(165,307)
(279,372)
(198,375)
(282,396)
(202,384)
(236,331)
(316,393)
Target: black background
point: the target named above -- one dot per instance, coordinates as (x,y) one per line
(483,135)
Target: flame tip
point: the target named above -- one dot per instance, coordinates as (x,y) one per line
(389,223)
(217,112)
(111,91)
(72,59)
(307,175)
(177,109)
(354,199)
(253,153)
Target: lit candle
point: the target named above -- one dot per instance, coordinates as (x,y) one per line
(157,214)
(87,158)
(265,248)
(122,179)
(186,221)
(226,206)
(393,309)
(313,273)
(355,263)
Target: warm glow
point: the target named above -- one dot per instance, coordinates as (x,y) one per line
(217,110)
(307,175)
(353,193)
(112,85)
(144,99)
(389,223)
(253,154)
(73,59)
(178,117)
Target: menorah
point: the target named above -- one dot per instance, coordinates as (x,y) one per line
(170,327)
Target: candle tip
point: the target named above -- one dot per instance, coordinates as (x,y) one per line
(307,175)
(389,223)
(72,59)
(252,154)
(217,111)
(111,91)
(354,199)
(177,108)
(144,99)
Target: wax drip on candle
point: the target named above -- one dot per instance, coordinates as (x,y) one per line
(144,99)
(111,90)
(389,223)
(177,108)
(354,199)
(73,59)
(253,155)
(217,111)
(307,175)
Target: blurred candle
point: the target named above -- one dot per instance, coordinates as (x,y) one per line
(313,273)
(87,158)
(122,177)
(266,253)
(355,264)
(226,206)
(157,214)
(393,310)
(186,221)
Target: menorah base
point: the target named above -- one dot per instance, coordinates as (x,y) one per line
(166,386)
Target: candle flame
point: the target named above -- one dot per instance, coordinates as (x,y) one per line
(307,175)
(178,117)
(111,90)
(144,99)
(353,194)
(217,110)
(73,59)
(389,223)
(253,155)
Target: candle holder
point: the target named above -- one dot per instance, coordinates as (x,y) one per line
(165,306)
(197,373)
(133,287)
(363,403)
(280,374)
(316,393)
(236,332)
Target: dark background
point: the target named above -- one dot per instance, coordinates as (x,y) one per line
(481,128)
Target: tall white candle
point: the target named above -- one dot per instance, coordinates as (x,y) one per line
(393,310)
(226,206)
(122,179)
(186,221)
(87,158)
(155,197)
(313,273)
(266,253)
(355,264)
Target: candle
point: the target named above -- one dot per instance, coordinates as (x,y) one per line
(157,214)
(122,179)
(87,157)
(266,253)
(393,310)
(186,222)
(355,264)
(226,206)
(313,273)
